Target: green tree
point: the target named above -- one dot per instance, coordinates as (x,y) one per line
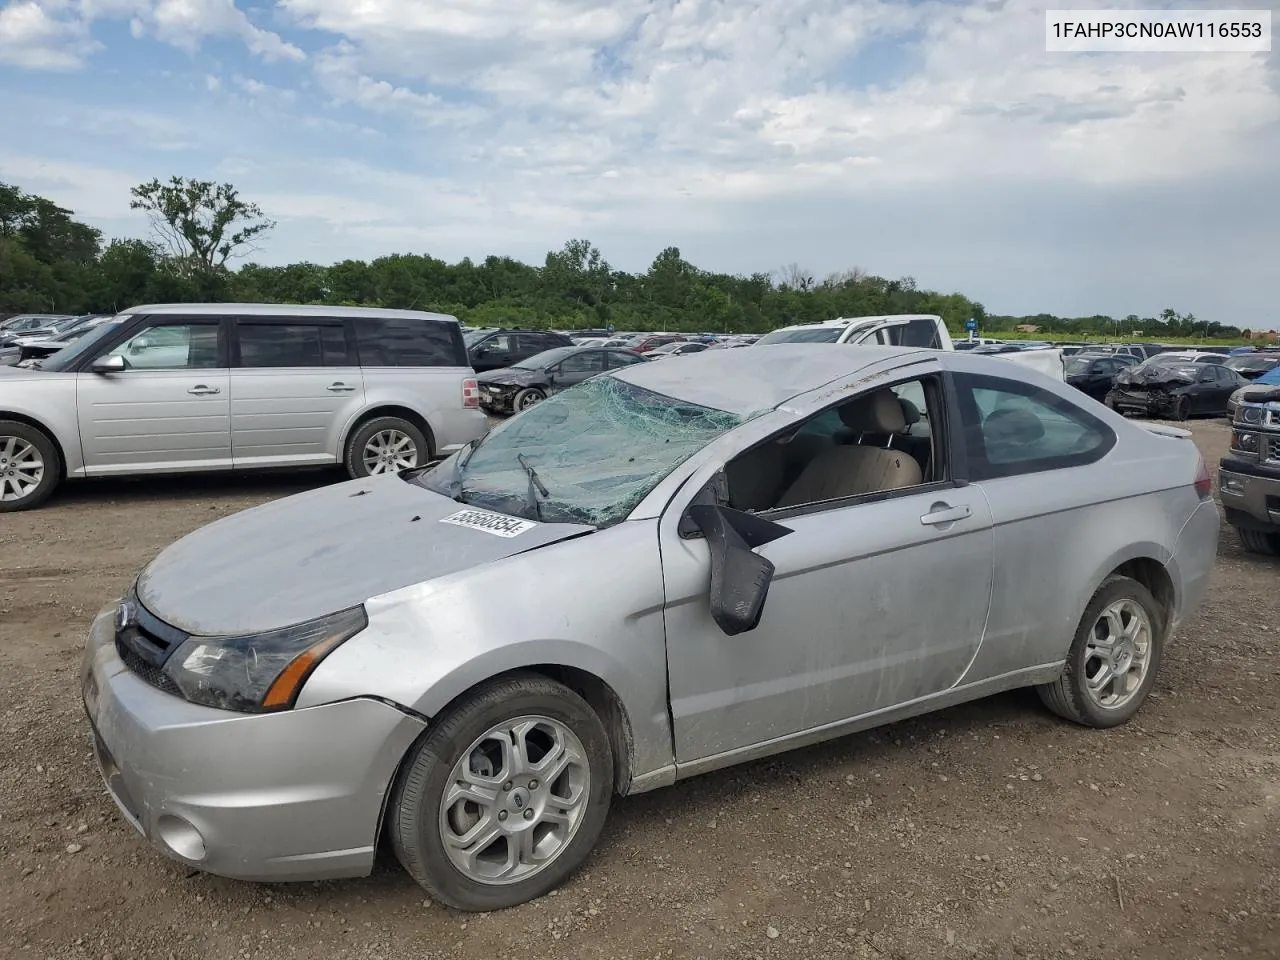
(201,224)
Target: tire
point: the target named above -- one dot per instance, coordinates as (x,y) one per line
(361,443)
(1259,541)
(1181,408)
(526,398)
(30,466)
(1069,696)
(418,818)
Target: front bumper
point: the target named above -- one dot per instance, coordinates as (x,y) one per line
(296,795)
(1250,499)
(1150,402)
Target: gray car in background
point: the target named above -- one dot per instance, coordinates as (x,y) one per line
(776,547)
(183,388)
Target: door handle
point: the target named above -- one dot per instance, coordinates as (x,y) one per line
(200,390)
(339,388)
(941,513)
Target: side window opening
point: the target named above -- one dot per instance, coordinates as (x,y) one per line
(878,442)
(1012,428)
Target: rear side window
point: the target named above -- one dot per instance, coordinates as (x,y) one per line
(291,344)
(408,342)
(617,359)
(915,333)
(1012,428)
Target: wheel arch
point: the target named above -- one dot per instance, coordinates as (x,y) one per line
(1152,574)
(390,410)
(598,694)
(46,430)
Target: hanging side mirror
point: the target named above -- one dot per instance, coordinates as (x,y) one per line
(740,577)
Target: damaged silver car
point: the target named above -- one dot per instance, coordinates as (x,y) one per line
(776,547)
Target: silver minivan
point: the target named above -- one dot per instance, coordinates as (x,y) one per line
(189,387)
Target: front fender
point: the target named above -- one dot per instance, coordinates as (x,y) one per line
(593,603)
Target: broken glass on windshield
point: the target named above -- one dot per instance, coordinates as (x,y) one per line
(597,450)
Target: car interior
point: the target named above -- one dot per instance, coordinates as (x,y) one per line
(877,442)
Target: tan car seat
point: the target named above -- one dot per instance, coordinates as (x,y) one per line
(850,471)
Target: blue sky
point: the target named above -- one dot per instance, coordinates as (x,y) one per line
(935,139)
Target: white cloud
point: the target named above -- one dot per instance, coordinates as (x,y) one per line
(55,34)
(512,124)
(32,39)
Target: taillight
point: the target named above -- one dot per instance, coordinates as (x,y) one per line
(470,394)
(1204,481)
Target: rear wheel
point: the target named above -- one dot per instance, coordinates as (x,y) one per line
(386,445)
(1259,541)
(1112,663)
(30,467)
(505,796)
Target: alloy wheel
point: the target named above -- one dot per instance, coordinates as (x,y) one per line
(1117,654)
(515,800)
(21,468)
(389,451)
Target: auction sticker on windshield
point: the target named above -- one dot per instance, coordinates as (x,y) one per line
(494,523)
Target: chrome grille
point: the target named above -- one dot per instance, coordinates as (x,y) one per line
(1272,454)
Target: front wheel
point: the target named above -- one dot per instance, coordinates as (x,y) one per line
(527,398)
(1112,663)
(386,445)
(505,796)
(30,467)
(1181,408)
(1259,541)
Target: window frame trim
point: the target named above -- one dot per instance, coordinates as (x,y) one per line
(234,356)
(957,471)
(963,385)
(141,322)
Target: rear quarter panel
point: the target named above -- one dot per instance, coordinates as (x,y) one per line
(1060,533)
(434,393)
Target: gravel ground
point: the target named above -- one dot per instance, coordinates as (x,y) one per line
(991,830)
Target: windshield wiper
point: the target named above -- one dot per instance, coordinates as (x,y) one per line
(536,486)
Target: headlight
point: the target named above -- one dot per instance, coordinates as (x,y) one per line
(1244,442)
(262,672)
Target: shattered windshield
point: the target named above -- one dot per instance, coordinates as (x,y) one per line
(595,451)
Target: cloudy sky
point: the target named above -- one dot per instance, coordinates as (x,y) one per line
(935,139)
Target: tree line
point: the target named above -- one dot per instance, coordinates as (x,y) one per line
(52,263)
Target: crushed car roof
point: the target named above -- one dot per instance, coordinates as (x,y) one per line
(757,378)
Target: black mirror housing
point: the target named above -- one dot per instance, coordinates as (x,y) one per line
(740,578)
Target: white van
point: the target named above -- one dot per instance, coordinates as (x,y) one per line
(191,387)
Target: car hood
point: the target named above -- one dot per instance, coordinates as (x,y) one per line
(510,376)
(1156,377)
(315,553)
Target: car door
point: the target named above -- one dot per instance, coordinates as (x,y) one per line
(294,384)
(167,410)
(875,601)
(574,369)
(495,352)
(1029,452)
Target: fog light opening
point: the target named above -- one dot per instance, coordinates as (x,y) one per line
(180,837)
(1231,486)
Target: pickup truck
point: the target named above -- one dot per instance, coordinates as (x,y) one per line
(1249,475)
(902,330)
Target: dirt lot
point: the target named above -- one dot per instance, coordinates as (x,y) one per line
(991,830)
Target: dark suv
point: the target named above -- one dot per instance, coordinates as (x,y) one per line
(493,349)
